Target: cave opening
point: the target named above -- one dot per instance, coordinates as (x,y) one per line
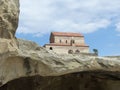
(75,81)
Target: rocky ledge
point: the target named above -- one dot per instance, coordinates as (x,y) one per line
(29,61)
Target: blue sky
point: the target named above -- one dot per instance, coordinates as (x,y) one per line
(98,20)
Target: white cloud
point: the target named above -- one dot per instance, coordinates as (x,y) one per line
(82,27)
(118,26)
(43,16)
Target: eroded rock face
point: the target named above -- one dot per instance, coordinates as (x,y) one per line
(73,81)
(9,14)
(56,72)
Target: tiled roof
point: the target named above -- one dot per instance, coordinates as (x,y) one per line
(77,45)
(67,34)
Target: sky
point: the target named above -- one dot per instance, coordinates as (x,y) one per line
(97,20)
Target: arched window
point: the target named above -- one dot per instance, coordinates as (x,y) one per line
(66,41)
(60,41)
(73,41)
(77,51)
(51,48)
(70,51)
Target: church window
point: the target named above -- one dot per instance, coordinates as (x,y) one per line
(70,51)
(73,41)
(66,41)
(60,41)
(51,48)
(77,51)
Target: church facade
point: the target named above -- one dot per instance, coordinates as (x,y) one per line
(67,43)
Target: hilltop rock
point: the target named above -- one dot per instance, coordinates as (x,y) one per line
(9,14)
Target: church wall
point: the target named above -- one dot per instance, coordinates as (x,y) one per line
(65,49)
(78,40)
(62,44)
(51,39)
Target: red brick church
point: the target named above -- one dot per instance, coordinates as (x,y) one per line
(67,42)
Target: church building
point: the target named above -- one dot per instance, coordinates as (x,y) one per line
(67,43)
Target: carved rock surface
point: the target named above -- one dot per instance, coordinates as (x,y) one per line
(9,14)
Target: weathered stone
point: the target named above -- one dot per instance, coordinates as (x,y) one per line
(8,45)
(9,14)
(45,70)
(75,81)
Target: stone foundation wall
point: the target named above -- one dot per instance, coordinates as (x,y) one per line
(65,49)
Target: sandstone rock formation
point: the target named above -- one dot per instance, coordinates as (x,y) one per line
(9,11)
(24,65)
(39,69)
